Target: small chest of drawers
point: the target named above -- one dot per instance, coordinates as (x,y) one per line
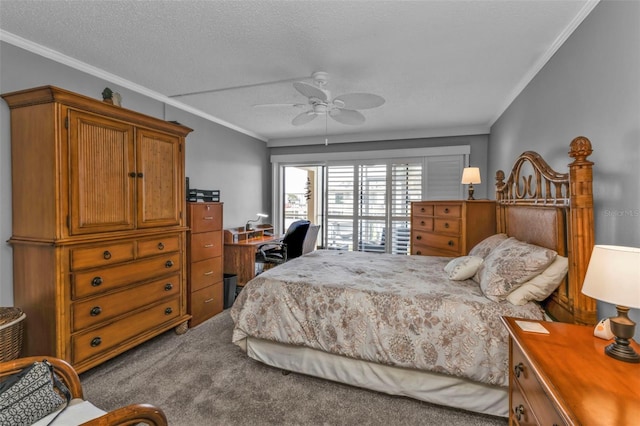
(204,261)
(565,378)
(450,228)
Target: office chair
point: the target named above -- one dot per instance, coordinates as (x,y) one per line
(276,253)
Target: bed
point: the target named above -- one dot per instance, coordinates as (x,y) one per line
(429,327)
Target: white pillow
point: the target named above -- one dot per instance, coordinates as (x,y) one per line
(462,268)
(510,265)
(541,286)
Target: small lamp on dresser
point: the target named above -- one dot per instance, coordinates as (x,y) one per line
(613,276)
(471,175)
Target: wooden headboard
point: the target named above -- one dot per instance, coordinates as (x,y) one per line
(540,206)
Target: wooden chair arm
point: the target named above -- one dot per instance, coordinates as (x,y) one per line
(131,415)
(62,368)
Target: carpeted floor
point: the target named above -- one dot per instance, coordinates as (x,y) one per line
(201,378)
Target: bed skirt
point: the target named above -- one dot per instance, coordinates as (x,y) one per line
(434,388)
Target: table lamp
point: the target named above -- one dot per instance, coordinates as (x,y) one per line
(613,276)
(248,226)
(471,175)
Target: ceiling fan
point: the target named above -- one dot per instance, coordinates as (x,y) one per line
(343,108)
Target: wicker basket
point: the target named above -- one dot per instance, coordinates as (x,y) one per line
(11,332)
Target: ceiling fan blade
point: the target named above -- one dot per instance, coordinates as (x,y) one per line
(279,105)
(309,90)
(347,116)
(360,100)
(303,118)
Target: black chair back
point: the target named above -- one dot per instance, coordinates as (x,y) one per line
(294,238)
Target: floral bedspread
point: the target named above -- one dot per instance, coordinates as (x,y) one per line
(390,309)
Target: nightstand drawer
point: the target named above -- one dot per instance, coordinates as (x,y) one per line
(527,384)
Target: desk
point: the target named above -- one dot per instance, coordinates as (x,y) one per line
(240,247)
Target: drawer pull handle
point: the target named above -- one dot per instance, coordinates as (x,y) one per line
(168,311)
(208,245)
(96,341)
(168,287)
(422,222)
(160,246)
(95,311)
(168,264)
(422,209)
(132,174)
(418,252)
(446,224)
(140,175)
(208,218)
(96,281)
(209,300)
(519,411)
(446,210)
(518,369)
(418,237)
(208,273)
(106,255)
(450,243)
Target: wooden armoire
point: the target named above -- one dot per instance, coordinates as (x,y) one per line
(99,225)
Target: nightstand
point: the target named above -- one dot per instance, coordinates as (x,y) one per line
(564,378)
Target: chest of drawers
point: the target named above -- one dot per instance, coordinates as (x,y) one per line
(450,228)
(204,261)
(564,378)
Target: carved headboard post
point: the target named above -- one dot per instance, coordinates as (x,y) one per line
(581,230)
(500,208)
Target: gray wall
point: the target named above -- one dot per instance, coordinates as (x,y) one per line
(216,157)
(591,87)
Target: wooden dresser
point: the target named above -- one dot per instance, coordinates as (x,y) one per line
(204,261)
(565,378)
(98,233)
(450,228)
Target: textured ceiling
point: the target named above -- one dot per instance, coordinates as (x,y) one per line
(444,67)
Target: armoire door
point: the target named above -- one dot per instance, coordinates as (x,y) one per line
(102,174)
(160,181)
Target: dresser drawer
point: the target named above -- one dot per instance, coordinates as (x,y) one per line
(158,245)
(422,223)
(94,342)
(206,303)
(205,273)
(444,242)
(96,281)
(206,245)
(520,412)
(418,209)
(447,226)
(91,312)
(422,250)
(448,210)
(526,383)
(102,255)
(205,217)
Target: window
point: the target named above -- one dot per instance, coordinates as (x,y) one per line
(363,199)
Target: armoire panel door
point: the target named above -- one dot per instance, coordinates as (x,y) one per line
(101,168)
(158,157)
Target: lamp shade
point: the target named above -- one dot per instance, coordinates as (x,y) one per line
(471,175)
(613,275)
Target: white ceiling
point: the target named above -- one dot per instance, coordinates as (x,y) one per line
(444,67)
